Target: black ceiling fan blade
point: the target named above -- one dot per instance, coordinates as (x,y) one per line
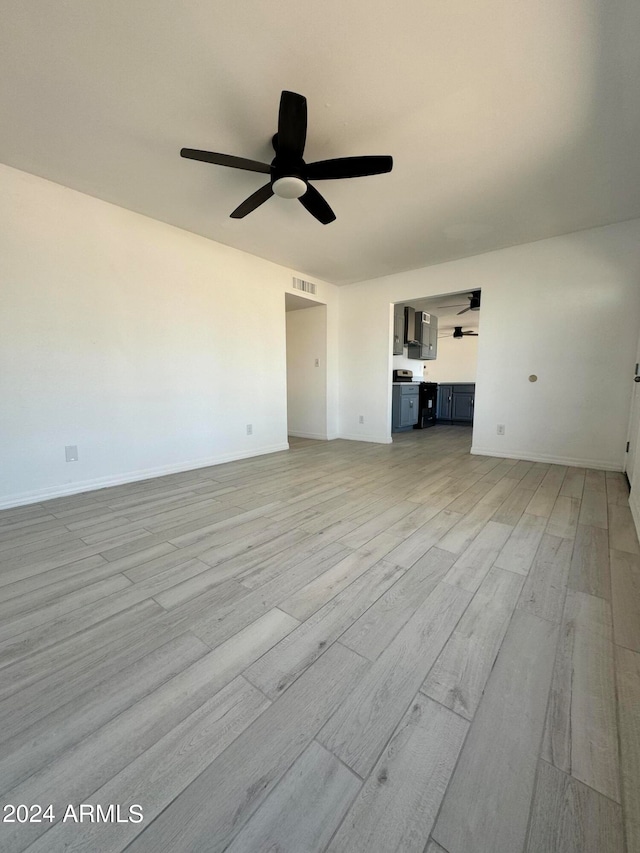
(225,160)
(317,206)
(255,200)
(292,125)
(348,167)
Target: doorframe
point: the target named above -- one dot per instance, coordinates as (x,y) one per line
(632,462)
(438,296)
(293,304)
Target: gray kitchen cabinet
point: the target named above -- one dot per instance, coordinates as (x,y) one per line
(426,334)
(433,337)
(443,411)
(456,402)
(462,407)
(398,329)
(404,406)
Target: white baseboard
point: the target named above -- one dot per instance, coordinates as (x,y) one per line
(317,436)
(375,439)
(60,491)
(553,460)
(634,506)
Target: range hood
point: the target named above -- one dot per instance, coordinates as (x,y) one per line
(410,326)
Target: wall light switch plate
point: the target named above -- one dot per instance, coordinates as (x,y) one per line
(71,453)
(500,429)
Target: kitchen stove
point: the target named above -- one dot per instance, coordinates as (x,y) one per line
(402,375)
(427,397)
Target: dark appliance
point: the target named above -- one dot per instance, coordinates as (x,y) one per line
(427,398)
(403,375)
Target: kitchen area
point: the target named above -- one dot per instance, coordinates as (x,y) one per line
(434,361)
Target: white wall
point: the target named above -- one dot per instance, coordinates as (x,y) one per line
(146,346)
(566,309)
(306,382)
(634,497)
(151,348)
(457,361)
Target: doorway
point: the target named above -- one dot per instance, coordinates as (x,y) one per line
(436,340)
(306,343)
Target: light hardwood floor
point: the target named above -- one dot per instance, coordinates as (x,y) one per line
(344,647)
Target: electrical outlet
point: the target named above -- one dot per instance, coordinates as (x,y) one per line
(361,419)
(249,429)
(317,362)
(71,453)
(500,429)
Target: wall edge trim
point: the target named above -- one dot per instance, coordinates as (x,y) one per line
(318,436)
(52,492)
(597,464)
(634,506)
(382,439)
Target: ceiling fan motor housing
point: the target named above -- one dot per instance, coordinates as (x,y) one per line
(287,174)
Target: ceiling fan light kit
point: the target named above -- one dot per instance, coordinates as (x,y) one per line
(289,174)
(289,187)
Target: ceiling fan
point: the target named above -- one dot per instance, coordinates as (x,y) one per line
(458,333)
(474,302)
(289,175)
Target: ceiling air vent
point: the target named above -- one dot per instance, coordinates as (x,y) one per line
(306,286)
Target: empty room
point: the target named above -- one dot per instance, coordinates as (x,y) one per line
(320,427)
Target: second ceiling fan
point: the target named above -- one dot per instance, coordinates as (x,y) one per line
(289,175)
(458,333)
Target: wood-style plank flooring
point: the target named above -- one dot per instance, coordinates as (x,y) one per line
(344,647)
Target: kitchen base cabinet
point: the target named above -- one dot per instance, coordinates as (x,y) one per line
(456,403)
(445,393)
(404,407)
(462,407)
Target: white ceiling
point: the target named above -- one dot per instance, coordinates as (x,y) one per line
(508,120)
